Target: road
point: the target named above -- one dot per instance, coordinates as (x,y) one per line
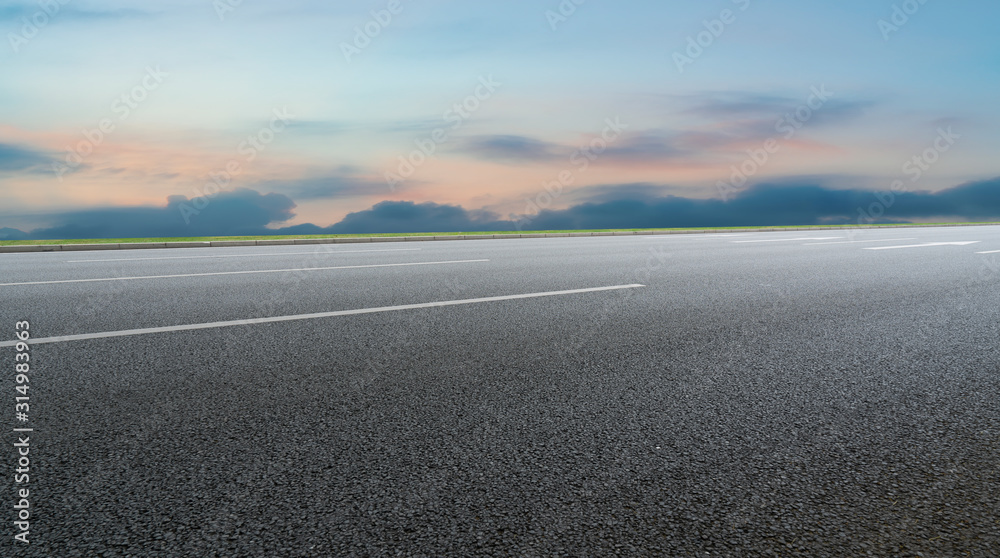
(786,394)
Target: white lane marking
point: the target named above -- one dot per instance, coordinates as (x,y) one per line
(700,236)
(256,321)
(857,241)
(236,273)
(790,239)
(244,255)
(929,244)
(990,252)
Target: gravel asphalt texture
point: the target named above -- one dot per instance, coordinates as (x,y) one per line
(786,398)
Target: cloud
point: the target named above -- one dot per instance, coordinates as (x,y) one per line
(733,104)
(7,233)
(779,204)
(736,118)
(512,149)
(974,200)
(415,127)
(14,158)
(15,11)
(727,123)
(236,213)
(753,106)
(765,205)
(631,147)
(402,217)
(321,127)
(648,146)
(643,191)
(641,205)
(338,185)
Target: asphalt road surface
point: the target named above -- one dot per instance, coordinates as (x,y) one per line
(768,394)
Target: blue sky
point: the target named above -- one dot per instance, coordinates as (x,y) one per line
(221,75)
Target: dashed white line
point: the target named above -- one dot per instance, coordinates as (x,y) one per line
(256,321)
(927,245)
(244,255)
(990,252)
(236,273)
(858,241)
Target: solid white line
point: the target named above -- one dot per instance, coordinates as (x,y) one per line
(789,239)
(236,273)
(856,241)
(927,245)
(990,252)
(256,321)
(244,255)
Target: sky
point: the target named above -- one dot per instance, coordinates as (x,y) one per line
(215,117)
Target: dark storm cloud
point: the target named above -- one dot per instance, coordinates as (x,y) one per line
(975,200)
(241,212)
(645,206)
(783,204)
(401,217)
(247,212)
(7,233)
